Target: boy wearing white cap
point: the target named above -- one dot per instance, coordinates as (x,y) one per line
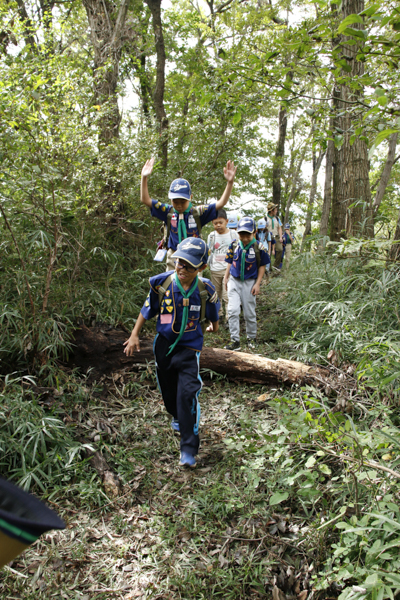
(247,261)
(182,220)
(182,302)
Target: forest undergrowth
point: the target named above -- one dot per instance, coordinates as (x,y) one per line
(296,492)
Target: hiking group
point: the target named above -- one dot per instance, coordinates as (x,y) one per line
(184,302)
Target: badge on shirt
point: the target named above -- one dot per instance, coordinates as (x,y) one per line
(170,308)
(168,301)
(165,319)
(194,307)
(251,252)
(167,293)
(191,222)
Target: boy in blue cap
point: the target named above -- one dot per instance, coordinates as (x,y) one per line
(182,220)
(247,261)
(181,300)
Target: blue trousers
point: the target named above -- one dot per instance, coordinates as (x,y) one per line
(180,384)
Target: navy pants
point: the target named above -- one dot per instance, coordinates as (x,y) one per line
(180,384)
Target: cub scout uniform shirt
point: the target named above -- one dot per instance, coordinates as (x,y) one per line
(160,211)
(251,269)
(171,309)
(272,224)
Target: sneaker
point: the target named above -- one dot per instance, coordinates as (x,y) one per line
(187,460)
(251,343)
(175,425)
(233,346)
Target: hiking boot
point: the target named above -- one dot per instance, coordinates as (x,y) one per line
(187,460)
(175,426)
(251,343)
(233,346)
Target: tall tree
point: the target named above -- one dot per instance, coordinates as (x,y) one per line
(159,89)
(279,157)
(351,200)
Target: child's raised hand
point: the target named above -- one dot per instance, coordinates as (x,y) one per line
(230,171)
(148,167)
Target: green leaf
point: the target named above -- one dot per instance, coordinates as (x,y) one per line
(349,21)
(325,469)
(360,33)
(278,497)
(237,117)
(311,462)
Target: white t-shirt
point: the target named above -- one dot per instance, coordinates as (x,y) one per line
(219,245)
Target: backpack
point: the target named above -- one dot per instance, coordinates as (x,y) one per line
(167,228)
(256,250)
(212,239)
(203,297)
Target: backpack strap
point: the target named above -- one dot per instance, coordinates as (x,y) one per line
(167,227)
(163,288)
(256,250)
(203,299)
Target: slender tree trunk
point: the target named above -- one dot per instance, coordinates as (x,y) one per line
(294,187)
(278,158)
(384,179)
(158,96)
(107,24)
(351,200)
(395,249)
(326,207)
(316,166)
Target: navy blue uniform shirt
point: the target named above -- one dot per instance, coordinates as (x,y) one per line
(171,309)
(234,257)
(207,213)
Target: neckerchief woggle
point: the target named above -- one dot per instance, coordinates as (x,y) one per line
(243,257)
(185,315)
(182,231)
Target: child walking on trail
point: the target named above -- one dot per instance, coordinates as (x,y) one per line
(182,220)
(247,261)
(219,241)
(181,300)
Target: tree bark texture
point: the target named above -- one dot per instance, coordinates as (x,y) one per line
(295,183)
(101,349)
(158,95)
(326,206)
(395,249)
(387,169)
(279,157)
(351,200)
(316,166)
(106,33)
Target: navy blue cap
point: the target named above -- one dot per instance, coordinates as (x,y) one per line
(180,188)
(194,251)
(246,224)
(287,226)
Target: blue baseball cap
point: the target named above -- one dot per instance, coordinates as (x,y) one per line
(287,226)
(232,220)
(180,188)
(261,224)
(246,224)
(194,251)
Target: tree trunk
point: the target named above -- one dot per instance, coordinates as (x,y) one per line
(278,158)
(395,249)
(295,180)
(101,350)
(107,24)
(316,166)
(351,200)
(158,96)
(384,178)
(326,207)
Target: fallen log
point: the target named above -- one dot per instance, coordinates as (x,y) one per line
(101,349)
